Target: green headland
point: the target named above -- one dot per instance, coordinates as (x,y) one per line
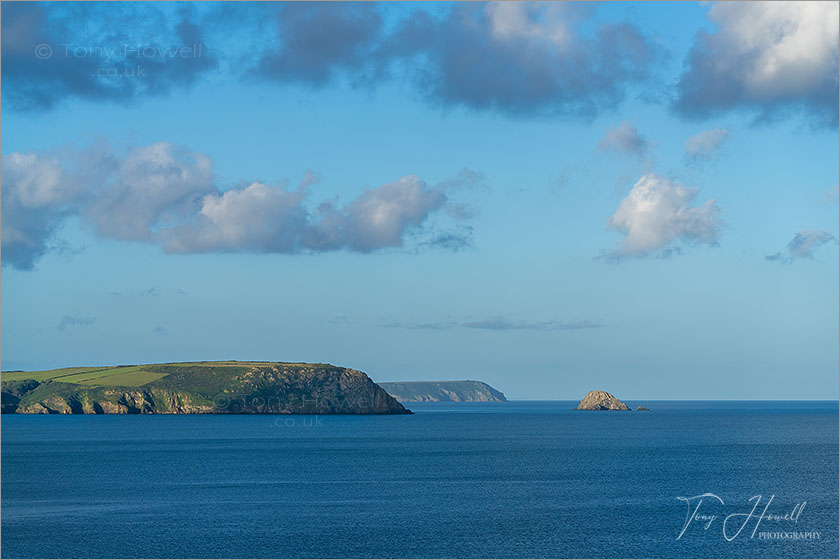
(229,387)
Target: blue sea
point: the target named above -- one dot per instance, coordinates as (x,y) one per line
(512,480)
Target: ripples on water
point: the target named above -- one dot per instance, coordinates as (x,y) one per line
(516,479)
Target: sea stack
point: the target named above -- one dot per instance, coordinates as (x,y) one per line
(601,400)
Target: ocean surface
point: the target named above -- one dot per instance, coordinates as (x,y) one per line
(511,480)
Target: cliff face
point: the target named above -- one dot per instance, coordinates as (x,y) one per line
(205,388)
(601,400)
(64,398)
(443,391)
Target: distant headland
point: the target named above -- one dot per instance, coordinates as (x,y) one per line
(197,388)
(443,391)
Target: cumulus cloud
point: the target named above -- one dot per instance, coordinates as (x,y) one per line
(657,213)
(765,57)
(41,189)
(802,246)
(255,218)
(260,218)
(48,57)
(316,41)
(380,216)
(123,196)
(523,58)
(151,184)
(29,214)
(167,194)
(706,144)
(74,321)
(519,58)
(532,58)
(624,138)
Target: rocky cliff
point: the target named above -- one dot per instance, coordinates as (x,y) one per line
(443,391)
(601,400)
(198,388)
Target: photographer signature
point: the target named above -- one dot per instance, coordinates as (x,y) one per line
(734,523)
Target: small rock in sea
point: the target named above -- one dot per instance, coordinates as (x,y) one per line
(601,400)
(641,408)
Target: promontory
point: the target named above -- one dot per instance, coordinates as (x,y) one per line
(197,388)
(443,391)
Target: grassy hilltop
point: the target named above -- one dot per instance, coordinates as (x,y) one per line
(196,388)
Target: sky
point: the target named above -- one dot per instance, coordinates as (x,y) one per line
(549,197)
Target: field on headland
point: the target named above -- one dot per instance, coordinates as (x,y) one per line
(127,375)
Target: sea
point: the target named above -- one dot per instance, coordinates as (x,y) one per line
(519,479)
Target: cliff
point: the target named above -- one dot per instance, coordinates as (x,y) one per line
(443,391)
(601,400)
(197,388)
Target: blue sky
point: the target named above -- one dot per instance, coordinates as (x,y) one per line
(552,198)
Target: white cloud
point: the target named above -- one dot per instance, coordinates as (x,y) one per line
(794,43)
(706,144)
(272,219)
(152,184)
(124,196)
(764,56)
(166,194)
(802,246)
(39,191)
(624,138)
(515,20)
(657,212)
(380,217)
(35,181)
(255,218)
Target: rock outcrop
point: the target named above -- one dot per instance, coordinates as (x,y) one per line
(641,408)
(601,400)
(209,388)
(443,391)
